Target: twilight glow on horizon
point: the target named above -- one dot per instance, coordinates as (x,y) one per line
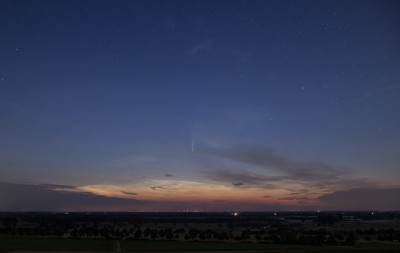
(199,105)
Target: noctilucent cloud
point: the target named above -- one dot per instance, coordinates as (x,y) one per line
(199,105)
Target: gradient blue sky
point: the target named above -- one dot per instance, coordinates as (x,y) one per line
(206,105)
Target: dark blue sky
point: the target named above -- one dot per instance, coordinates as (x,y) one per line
(232,101)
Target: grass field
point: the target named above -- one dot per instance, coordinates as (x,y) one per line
(9,244)
(163,246)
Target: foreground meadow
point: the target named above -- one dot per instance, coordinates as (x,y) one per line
(51,245)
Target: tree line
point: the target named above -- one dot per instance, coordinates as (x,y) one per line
(276,234)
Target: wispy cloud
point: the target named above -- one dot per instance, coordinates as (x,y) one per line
(162,188)
(242,179)
(297,193)
(384,86)
(129,193)
(293,198)
(279,172)
(238,184)
(199,47)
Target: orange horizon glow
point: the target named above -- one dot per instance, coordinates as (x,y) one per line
(197,192)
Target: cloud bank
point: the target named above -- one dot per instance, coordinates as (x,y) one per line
(363,199)
(50,197)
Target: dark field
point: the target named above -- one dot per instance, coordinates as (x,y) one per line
(193,232)
(10,244)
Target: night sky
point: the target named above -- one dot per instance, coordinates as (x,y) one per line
(199,105)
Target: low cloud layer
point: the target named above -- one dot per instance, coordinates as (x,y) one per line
(363,199)
(50,197)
